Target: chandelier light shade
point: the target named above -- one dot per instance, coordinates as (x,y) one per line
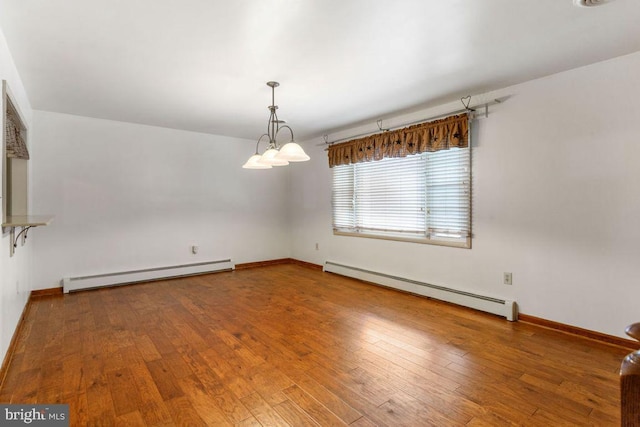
(270,157)
(292,152)
(274,154)
(253,163)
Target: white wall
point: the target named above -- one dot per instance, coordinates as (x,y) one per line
(127,196)
(556,201)
(15,283)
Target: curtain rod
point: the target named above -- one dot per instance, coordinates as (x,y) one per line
(463,110)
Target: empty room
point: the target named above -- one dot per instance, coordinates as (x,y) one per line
(318,213)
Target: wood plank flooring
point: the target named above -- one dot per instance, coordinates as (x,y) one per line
(287,345)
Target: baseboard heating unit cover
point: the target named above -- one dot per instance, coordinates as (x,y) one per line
(70,284)
(501,307)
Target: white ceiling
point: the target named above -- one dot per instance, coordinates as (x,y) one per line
(201,65)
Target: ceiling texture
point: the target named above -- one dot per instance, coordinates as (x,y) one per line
(202,65)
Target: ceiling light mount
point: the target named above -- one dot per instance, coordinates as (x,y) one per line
(275,155)
(590,3)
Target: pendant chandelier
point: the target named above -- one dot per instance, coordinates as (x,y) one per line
(275,155)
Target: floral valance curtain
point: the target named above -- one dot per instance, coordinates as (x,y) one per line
(14,136)
(443,134)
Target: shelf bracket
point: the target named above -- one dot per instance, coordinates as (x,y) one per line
(15,239)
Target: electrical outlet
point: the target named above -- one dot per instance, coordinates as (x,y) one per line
(508,279)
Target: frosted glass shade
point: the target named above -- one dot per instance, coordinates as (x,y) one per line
(269,158)
(292,152)
(253,163)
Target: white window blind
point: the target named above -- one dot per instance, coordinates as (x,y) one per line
(421,197)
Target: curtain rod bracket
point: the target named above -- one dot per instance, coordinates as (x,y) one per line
(466,104)
(379,123)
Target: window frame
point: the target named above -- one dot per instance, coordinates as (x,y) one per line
(15,171)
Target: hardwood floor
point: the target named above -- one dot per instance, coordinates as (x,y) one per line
(287,345)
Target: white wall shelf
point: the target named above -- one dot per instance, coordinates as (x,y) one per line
(25,222)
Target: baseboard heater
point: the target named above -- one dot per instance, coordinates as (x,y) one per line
(501,307)
(70,284)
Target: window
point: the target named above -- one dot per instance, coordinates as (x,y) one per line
(15,161)
(422,197)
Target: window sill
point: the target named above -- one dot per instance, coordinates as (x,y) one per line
(453,244)
(27,220)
